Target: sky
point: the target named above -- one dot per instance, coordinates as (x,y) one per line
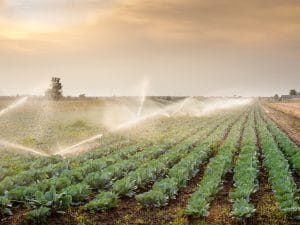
(179,47)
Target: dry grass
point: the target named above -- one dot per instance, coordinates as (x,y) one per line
(288,108)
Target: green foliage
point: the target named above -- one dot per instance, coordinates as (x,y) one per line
(126,168)
(125,186)
(60,182)
(242,208)
(211,183)
(5,206)
(179,174)
(153,198)
(104,201)
(52,199)
(283,184)
(289,148)
(245,173)
(39,215)
(17,194)
(78,192)
(25,178)
(33,181)
(151,171)
(183,171)
(55,92)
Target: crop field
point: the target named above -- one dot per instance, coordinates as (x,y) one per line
(233,165)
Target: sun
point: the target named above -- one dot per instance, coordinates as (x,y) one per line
(23,19)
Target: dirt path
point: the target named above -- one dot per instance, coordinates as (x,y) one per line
(219,212)
(288,123)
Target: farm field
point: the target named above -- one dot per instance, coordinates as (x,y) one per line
(140,112)
(229,165)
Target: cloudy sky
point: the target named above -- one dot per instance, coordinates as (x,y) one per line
(110,47)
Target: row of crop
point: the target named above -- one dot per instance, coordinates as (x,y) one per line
(44,167)
(57,183)
(32,175)
(69,177)
(148,173)
(75,194)
(16,164)
(91,168)
(26,165)
(32,164)
(178,176)
(211,183)
(98,152)
(283,184)
(289,148)
(104,179)
(245,173)
(62,169)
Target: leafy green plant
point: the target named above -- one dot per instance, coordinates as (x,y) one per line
(98,180)
(211,183)
(283,184)
(39,215)
(5,206)
(153,198)
(103,201)
(180,173)
(289,148)
(245,173)
(78,192)
(52,200)
(242,208)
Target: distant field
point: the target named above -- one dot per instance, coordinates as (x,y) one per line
(286,115)
(177,162)
(51,125)
(289,108)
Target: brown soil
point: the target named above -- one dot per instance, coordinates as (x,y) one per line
(219,212)
(288,123)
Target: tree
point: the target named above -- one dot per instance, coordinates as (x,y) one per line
(293,92)
(55,91)
(82,96)
(276,97)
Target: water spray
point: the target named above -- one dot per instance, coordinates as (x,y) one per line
(143,97)
(181,106)
(135,121)
(14,105)
(73,148)
(21,147)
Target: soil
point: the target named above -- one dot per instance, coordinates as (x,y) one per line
(219,212)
